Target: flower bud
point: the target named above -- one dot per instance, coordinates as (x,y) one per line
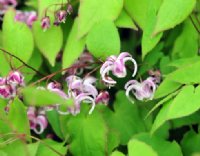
(45,23)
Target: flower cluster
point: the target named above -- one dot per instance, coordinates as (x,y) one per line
(60,17)
(9,84)
(5,4)
(142,91)
(79,90)
(27,17)
(37,119)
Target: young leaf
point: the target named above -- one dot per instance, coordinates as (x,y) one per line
(155,143)
(183,75)
(18,117)
(138,148)
(149,41)
(171,13)
(92,12)
(117,153)
(125,21)
(103,40)
(88,134)
(190,36)
(53,118)
(74,46)
(13,34)
(48,42)
(184,104)
(39,97)
(166,87)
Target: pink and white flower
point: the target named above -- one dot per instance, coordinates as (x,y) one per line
(117,66)
(38,121)
(15,78)
(61,16)
(27,17)
(142,91)
(5,4)
(103,97)
(45,23)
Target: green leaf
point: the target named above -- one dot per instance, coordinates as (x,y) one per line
(137,10)
(88,134)
(13,34)
(191,143)
(138,148)
(48,42)
(125,120)
(53,118)
(18,117)
(184,104)
(172,13)
(46,146)
(4,62)
(179,63)
(92,12)
(117,153)
(74,46)
(103,40)
(32,148)
(149,41)
(166,87)
(186,45)
(183,75)
(159,145)
(38,97)
(125,21)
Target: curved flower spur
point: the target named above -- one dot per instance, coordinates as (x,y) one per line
(117,66)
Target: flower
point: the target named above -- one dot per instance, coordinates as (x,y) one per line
(117,66)
(103,97)
(45,23)
(156,75)
(69,9)
(7,91)
(61,16)
(15,78)
(27,17)
(38,121)
(142,91)
(5,4)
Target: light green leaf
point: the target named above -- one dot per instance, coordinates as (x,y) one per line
(179,63)
(184,104)
(137,10)
(32,148)
(125,21)
(74,46)
(139,148)
(39,97)
(186,45)
(117,153)
(18,117)
(92,12)
(53,118)
(172,13)
(149,41)
(103,40)
(90,132)
(48,42)
(159,145)
(125,120)
(183,75)
(13,34)
(52,149)
(166,87)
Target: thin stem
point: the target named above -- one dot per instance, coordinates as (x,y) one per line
(4,51)
(194,25)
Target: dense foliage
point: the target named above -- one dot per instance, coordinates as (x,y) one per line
(99,77)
